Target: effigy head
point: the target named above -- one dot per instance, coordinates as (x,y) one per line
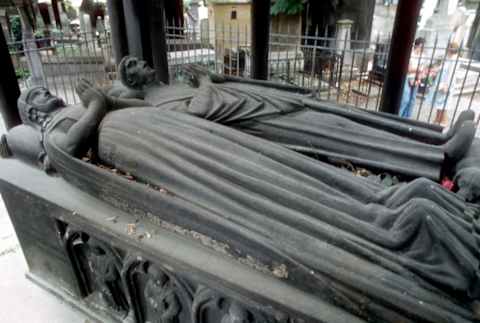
(35,105)
(135,73)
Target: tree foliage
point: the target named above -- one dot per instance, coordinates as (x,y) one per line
(16,28)
(288,7)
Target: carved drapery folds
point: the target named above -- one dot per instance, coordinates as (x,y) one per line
(141,291)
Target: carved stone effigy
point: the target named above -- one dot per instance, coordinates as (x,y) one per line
(220,206)
(287,115)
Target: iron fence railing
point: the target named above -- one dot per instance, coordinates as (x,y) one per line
(59,61)
(346,71)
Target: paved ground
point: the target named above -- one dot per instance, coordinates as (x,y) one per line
(21,300)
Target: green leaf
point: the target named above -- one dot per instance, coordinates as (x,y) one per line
(288,7)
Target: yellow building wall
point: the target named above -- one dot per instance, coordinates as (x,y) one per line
(227,34)
(230,33)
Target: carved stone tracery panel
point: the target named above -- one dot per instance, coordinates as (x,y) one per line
(141,291)
(98,269)
(211,307)
(157,295)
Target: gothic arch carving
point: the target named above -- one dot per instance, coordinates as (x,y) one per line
(97,267)
(211,307)
(157,296)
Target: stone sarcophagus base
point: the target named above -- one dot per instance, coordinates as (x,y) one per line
(121,267)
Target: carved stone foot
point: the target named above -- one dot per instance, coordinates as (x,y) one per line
(463,117)
(460,143)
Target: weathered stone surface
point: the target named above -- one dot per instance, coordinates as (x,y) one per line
(78,247)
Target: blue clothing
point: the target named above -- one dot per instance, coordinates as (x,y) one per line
(439,100)
(409,98)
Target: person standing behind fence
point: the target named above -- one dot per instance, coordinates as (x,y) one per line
(414,75)
(440,93)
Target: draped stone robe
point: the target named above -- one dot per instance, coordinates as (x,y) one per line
(409,251)
(281,117)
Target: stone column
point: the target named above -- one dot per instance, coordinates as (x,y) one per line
(194,6)
(344,35)
(56,14)
(81,17)
(403,36)
(40,24)
(4,24)
(30,47)
(88,29)
(260,12)
(136,23)
(51,15)
(119,33)
(64,17)
(145,33)
(156,10)
(9,90)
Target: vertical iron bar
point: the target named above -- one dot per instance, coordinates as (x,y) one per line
(117,29)
(95,58)
(176,44)
(305,49)
(429,70)
(279,68)
(368,76)
(332,58)
(287,61)
(182,33)
(105,61)
(314,58)
(378,106)
(206,47)
(473,92)
(215,47)
(223,48)
(65,70)
(46,83)
(439,76)
(463,85)
(351,77)
(361,70)
(231,48)
(260,31)
(295,60)
(247,46)
(9,89)
(89,55)
(82,55)
(49,62)
(238,50)
(194,45)
(158,41)
(339,87)
(399,55)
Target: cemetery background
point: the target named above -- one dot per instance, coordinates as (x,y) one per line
(342,59)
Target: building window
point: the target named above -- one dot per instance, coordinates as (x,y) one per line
(233,15)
